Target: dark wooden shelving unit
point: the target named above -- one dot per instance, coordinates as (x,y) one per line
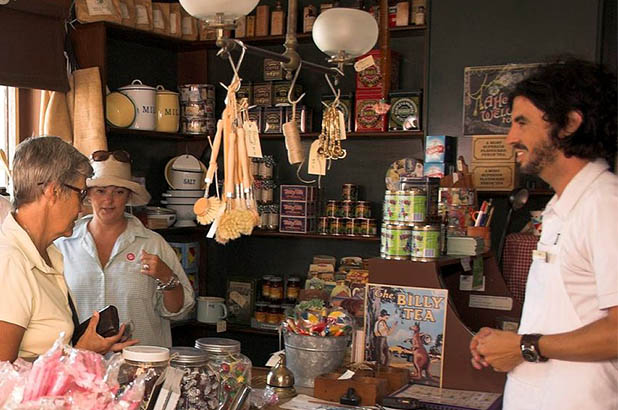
(537,192)
(355,135)
(127,132)
(259,232)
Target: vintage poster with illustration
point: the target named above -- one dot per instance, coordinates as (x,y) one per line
(486,91)
(404,327)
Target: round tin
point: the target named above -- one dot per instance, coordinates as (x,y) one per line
(346,209)
(349,226)
(390,210)
(412,205)
(425,242)
(362,209)
(395,243)
(336,226)
(366,227)
(349,192)
(332,208)
(323,225)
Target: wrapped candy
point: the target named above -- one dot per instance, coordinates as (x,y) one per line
(314,319)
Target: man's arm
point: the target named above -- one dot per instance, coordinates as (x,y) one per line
(596,341)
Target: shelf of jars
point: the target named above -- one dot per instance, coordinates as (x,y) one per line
(277,234)
(128,132)
(354,135)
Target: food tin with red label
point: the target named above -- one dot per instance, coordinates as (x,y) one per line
(362,209)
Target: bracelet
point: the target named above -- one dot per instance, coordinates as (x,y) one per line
(171,284)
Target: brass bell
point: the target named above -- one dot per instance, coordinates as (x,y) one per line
(281,380)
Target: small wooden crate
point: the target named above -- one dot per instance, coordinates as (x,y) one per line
(370,389)
(394,376)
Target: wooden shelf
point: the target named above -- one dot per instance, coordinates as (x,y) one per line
(127,132)
(275,234)
(231,327)
(355,135)
(537,192)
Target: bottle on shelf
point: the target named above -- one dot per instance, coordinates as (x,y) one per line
(277,20)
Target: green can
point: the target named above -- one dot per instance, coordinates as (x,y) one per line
(396,240)
(412,205)
(390,209)
(425,242)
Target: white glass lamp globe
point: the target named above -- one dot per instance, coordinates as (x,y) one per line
(351,30)
(208,9)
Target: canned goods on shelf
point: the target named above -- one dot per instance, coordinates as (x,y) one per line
(412,205)
(395,242)
(390,210)
(426,244)
(323,225)
(366,227)
(332,208)
(349,192)
(336,226)
(362,209)
(349,227)
(346,209)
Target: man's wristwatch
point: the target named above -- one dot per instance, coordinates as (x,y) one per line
(530,348)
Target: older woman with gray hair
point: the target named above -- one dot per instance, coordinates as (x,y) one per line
(49,185)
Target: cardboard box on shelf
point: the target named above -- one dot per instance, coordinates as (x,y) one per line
(494,176)
(371,78)
(297,208)
(366,117)
(296,224)
(305,193)
(491,148)
(440,148)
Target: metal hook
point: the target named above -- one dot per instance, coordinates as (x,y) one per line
(293,84)
(336,93)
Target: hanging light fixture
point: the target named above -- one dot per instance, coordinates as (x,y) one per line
(344,34)
(219,14)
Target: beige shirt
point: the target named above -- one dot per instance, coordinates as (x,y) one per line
(33,295)
(5,208)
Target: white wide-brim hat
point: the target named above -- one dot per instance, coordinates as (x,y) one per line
(115,173)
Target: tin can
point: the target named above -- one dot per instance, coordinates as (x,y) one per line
(332,208)
(336,226)
(425,242)
(395,242)
(346,209)
(265,167)
(430,185)
(362,209)
(349,192)
(323,225)
(390,210)
(366,227)
(412,205)
(349,226)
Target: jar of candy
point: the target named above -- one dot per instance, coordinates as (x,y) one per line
(138,360)
(273,217)
(274,315)
(276,288)
(265,170)
(264,211)
(292,289)
(261,310)
(224,357)
(199,387)
(268,189)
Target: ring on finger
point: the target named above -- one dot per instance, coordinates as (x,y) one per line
(146,266)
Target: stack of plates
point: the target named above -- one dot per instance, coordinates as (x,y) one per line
(185,176)
(181,201)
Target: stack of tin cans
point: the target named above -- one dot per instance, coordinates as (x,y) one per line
(197,109)
(411,226)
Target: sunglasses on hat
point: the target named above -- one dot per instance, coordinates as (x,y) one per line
(119,155)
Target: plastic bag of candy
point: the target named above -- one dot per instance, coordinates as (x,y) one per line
(314,319)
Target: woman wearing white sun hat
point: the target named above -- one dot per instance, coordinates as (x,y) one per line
(112,259)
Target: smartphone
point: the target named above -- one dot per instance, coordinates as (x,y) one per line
(109,324)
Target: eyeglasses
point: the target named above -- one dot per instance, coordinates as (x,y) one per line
(83,193)
(120,155)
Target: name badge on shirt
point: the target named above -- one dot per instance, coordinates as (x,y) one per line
(539,255)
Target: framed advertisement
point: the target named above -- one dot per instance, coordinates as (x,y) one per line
(405,328)
(486,90)
(240,299)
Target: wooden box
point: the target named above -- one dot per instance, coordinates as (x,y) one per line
(494,176)
(371,390)
(394,376)
(492,148)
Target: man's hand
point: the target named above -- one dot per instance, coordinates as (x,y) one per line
(496,348)
(94,342)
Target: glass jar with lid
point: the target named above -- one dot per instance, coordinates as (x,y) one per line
(149,360)
(292,289)
(261,309)
(224,357)
(273,217)
(276,289)
(199,386)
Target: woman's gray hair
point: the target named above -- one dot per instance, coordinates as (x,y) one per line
(39,161)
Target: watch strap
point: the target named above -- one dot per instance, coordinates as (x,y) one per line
(531,342)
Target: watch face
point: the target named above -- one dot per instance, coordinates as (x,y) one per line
(529,355)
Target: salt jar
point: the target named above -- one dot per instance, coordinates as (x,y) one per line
(199,387)
(138,360)
(224,357)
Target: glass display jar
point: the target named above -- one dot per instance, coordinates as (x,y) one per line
(199,387)
(268,189)
(264,211)
(138,360)
(261,310)
(265,167)
(273,217)
(276,289)
(293,289)
(224,357)
(275,314)
(266,286)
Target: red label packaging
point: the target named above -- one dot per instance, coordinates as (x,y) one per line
(370,79)
(366,118)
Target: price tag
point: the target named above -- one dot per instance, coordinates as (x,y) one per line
(477,272)
(342,134)
(221,326)
(274,359)
(252,139)
(215,224)
(364,64)
(317,162)
(347,375)
(465,264)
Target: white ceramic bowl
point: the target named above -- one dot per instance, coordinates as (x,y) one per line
(185,179)
(187,193)
(184,214)
(179,201)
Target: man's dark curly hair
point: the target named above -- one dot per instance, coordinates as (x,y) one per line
(570,84)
